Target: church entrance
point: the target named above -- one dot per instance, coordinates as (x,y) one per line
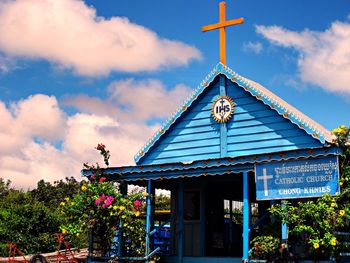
(213,215)
(224,217)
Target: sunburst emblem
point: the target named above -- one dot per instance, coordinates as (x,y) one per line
(222,109)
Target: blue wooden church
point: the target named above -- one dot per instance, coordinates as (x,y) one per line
(208,156)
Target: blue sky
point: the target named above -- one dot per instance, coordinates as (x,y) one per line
(74,73)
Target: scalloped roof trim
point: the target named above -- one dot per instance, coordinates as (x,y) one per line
(255,89)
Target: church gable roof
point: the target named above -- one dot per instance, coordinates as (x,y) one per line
(255,90)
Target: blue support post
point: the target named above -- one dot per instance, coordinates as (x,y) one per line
(284,226)
(91,246)
(148,219)
(181,221)
(173,221)
(123,189)
(246,212)
(153,207)
(202,219)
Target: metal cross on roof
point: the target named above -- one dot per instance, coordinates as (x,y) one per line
(221,26)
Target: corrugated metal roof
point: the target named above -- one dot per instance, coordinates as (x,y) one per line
(259,92)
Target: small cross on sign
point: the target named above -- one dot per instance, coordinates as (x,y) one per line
(265,177)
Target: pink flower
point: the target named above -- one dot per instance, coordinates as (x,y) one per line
(98,201)
(109,200)
(92,177)
(102,179)
(137,203)
(100,146)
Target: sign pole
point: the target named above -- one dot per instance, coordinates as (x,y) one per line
(181,224)
(246,211)
(148,219)
(284,226)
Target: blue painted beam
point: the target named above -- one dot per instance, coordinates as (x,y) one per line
(181,224)
(246,212)
(221,170)
(167,170)
(148,218)
(223,126)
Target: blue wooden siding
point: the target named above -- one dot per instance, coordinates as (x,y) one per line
(195,135)
(254,129)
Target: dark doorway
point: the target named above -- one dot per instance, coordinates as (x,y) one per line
(192,223)
(224,217)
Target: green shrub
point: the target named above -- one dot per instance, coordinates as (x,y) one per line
(264,247)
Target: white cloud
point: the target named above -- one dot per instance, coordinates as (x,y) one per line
(143,100)
(31,128)
(122,139)
(133,101)
(22,160)
(46,121)
(69,34)
(324,57)
(38,115)
(255,47)
(38,161)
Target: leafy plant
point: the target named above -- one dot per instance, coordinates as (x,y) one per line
(263,247)
(99,208)
(314,222)
(28,222)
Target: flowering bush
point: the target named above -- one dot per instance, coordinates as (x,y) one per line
(104,152)
(342,134)
(315,222)
(263,247)
(100,209)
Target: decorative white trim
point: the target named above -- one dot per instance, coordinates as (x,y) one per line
(255,89)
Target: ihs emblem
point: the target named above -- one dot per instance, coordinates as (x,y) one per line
(222,109)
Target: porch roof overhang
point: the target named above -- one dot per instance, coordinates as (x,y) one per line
(210,167)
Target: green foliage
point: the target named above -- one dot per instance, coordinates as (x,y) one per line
(4,187)
(99,208)
(263,247)
(53,194)
(31,218)
(162,202)
(314,222)
(342,134)
(27,222)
